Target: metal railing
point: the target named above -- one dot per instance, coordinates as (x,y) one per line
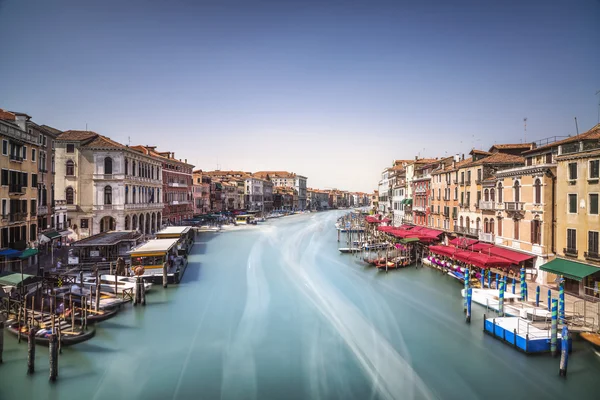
(487,205)
(570,252)
(592,255)
(513,206)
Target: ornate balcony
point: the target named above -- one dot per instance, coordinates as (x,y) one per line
(513,206)
(486,237)
(467,231)
(487,205)
(177,184)
(144,206)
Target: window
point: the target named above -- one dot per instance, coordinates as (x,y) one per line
(34,180)
(468,198)
(491,226)
(455,193)
(571,239)
(478,197)
(70,195)
(4,177)
(4,147)
(594,169)
(479,175)
(572,171)
(462,197)
(572,203)
(549,158)
(32,232)
(517,191)
(33,205)
(33,155)
(84,223)
(108,195)
(536,231)
(40,141)
(70,168)
(462,177)
(486,195)
(593,204)
(70,148)
(126,166)
(500,226)
(500,193)
(537,192)
(529,161)
(593,245)
(516,229)
(492,194)
(108,166)
(24,152)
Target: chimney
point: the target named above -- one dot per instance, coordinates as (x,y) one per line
(186,160)
(463,156)
(416,158)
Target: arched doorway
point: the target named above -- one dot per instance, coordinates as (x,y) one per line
(127,223)
(153,227)
(141,220)
(158,220)
(107,223)
(134,222)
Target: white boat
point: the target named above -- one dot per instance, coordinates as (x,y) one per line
(349,249)
(107,283)
(375,246)
(207,228)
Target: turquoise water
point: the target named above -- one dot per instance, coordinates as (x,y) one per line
(275,312)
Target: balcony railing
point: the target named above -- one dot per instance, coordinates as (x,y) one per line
(455,181)
(467,231)
(108,207)
(109,176)
(570,252)
(487,205)
(16,189)
(177,184)
(486,237)
(419,208)
(144,206)
(16,158)
(178,202)
(17,217)
(468,182)
(592,255)
(513,206)
(462,183)
(42,210)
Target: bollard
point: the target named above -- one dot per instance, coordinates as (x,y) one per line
(549,299)
(482,279)
(136,291)
(553,329)
(564,352)
(165,275)
(537,296)
(143,288)
(469,297)
(466,289)
(53,350)
(1,339)
(501,300)
(31,350)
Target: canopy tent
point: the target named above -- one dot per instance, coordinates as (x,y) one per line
(375,220)
(569,269)
(431,232)
(405,226)
(52,235)
(10,253)
(463,242)
(514,256)
(409,240)
(14,278)
(406,201)
(28,253)
(484,261)
(443,250)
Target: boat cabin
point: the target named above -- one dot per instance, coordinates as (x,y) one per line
(244,219)
(153,255)
(184,236)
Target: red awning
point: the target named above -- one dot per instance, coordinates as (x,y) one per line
(417,228)
(483,261)
(482,247)
(376,220)
(430,232)
(514,256)
(463,256)
(443,250)
(406,226)
(463,242)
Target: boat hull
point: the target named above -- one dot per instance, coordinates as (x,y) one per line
(66,340)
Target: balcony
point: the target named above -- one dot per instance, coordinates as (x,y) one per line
(513,206)
(455,181)
(592,255)
(42,210)
(178,202)
(487,205)
(486,237)
(177,184)
(467,231)
(478,181)
(462,183)
(570,252)
(17,217)
(17,190)
(43,169)
(144,206)
(108,207)
(419,208)
(16,158)
(468,182)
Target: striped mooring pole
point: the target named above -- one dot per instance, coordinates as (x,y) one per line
(553,328)
(501,301)
(561,299)
(514,285)
(482,277)
(549,299)
(564,351)
(469,297)
(537,296)
(466,289)
(497,281)
(522,283)
(526,295)
(489,276)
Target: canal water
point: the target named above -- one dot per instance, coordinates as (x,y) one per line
(275,312)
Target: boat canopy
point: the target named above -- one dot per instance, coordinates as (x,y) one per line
(172,232)
(154,247)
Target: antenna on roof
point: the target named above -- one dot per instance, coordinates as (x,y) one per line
(576,126)
(525,129)
(128,140)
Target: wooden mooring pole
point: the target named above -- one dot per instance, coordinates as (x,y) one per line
(143,290)
(165,275)
(53,350)
(1,339)
(31,350)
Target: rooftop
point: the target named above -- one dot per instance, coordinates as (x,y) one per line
(592,134)
(512,146)
(500,158)
(108,238)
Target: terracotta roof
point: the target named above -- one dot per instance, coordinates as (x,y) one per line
(274,174)
(513,146)
(500,158)
(7,115)
(485,153)
(76,136)
(592,134)
(51,129)
(104,142)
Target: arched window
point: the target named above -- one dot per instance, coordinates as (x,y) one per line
(107,195)
(486,226)
(486,195)
(491,226)
(108,164)
(500,192)
(537,191)
(461,221)
(536,230)
(133,168)
(70,168)
(517,191)
(70,195)
(133,200)
(467,223)
(126,166)
(492,194)
(516,229)
(478,224)
(126,195)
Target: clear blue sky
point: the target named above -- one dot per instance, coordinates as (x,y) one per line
(334,90)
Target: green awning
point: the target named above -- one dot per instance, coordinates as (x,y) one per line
(409,240)
(12,279)
(408,201)
(52,235)
(569,269)
(28,253)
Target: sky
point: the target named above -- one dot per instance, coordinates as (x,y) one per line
(333,90)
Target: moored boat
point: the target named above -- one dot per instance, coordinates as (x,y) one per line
(69,336)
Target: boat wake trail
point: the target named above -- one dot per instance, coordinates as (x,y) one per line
(391,374)
(239,369)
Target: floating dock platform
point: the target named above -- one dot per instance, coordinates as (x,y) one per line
(521,334)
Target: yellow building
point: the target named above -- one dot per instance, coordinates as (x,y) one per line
(19,188)
(577,213)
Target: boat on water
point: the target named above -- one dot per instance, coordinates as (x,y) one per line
(245,219)
(349,249)
(512,306)
(74,293)
(376,246)
(108,283)
(69,335)
(592,338)
(207,228)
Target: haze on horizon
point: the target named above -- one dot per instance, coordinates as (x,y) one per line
(333,90)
